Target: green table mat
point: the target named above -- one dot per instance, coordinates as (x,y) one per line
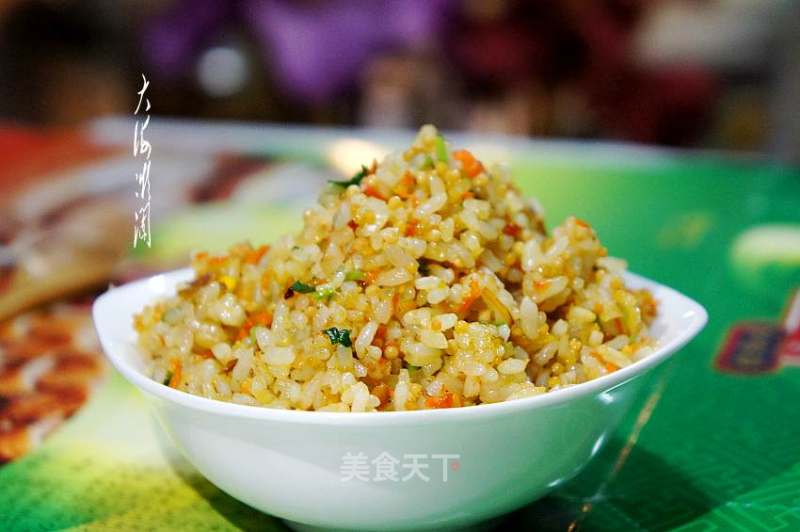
(704,450)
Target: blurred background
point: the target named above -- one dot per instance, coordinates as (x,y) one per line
(715,215)
(722,74)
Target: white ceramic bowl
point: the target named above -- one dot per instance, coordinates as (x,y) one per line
(319,469)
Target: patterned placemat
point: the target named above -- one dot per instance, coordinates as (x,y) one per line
(712,445)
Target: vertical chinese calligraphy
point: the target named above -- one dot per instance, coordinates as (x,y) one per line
(142,149)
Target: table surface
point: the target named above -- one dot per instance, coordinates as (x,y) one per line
(708,448)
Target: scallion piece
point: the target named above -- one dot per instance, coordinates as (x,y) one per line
(324,293)
(355,180)
(339,336)
(441,149)
(354,275)
(412,370)
(301,288)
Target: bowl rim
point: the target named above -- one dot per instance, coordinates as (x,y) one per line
(698,320)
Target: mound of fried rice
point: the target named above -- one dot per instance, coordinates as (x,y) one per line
(426,281)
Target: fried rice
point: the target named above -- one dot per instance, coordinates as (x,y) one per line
(425,281)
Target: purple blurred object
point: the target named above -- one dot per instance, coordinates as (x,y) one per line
(317,48)
(173,41)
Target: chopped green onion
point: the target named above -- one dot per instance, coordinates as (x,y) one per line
(168,378)
(339,336)
(441,149)
(354,275)
(324,293)
(412,369)
(428,163)
(355,180)
(301,288)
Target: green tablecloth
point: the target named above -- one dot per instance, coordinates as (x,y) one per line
(707,449)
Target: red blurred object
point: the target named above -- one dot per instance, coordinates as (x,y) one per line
(27,154)
(584,48)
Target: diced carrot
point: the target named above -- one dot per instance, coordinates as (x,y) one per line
(611,367)
(469,163)
(261,318)
(464,307)
(411,228)
(467,195)
(580,222)
(474,294)
(217,261)
(381,391)
(176,379)
(445,401)
(380,336)
(255,255)
(370,190)
(405,186)
(265,281)
(244,330)
(512,229)
(370,276)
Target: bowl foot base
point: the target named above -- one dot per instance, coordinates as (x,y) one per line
(483,526)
